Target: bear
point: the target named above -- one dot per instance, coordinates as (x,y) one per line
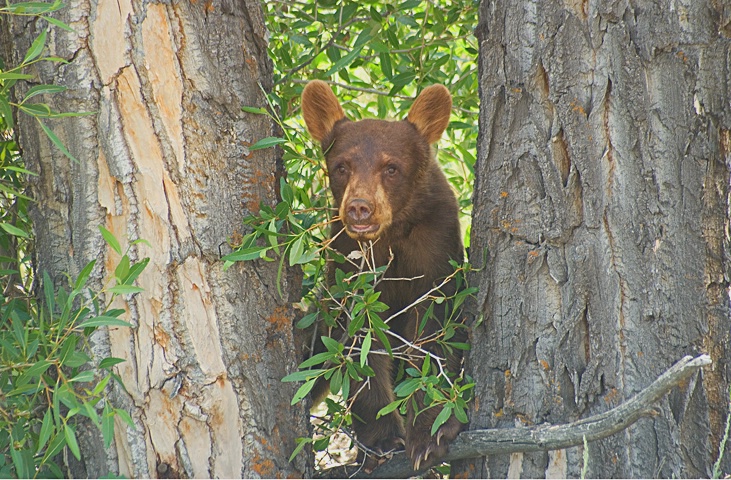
(388,189)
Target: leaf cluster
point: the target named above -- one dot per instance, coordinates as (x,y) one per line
(9,76)
(47,379)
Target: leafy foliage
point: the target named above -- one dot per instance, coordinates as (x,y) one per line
(377,55)
(47,380)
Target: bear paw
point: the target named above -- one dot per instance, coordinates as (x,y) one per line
(426,450)
(381,452)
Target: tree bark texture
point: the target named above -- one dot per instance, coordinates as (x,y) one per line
(164,157)
(602,201)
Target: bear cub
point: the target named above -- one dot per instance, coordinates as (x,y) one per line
(389,190)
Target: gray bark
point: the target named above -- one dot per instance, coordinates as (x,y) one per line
(164,157)
(602,201)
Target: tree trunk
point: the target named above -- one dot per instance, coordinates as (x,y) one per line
(602,200)
(164,157)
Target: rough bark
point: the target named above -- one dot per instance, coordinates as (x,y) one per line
(164,158)
(602,202)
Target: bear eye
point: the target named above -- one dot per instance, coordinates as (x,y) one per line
(391,169)
(341,169)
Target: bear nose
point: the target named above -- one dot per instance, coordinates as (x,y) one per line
(359,210)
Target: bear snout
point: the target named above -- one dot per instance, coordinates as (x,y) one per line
(359,210)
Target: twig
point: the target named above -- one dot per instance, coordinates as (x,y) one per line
(479,443)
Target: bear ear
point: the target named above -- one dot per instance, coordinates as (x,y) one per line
(430,112)
(320,109)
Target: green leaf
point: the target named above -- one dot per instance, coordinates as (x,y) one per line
(46,430)
(332,345)
(14,76)
(303,375)
(59,144)
(257,110)
(13,230)
(111,239)
(67,349)
(303,391)
(336,381)
(122,269)
(104,321)
(36,109)
(59,24)
(107,425)
(57,444)
(85,376)
(84,275)
(18,461)
(307,320)
(135,271)
(246,254)
(32,8)
(295,251)
(441,418)
(316,359)
(365,348)
(460,413)
(125,289)
(48,291)
(88,411)
(6,113)
(267,142)
(41,90)
(344,61)
(109,362)
(125,416)
(389,408)
(99,388)
(73,445)
(406,388)
(301,443)
(36,370)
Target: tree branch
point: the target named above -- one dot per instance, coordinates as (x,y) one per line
(479,443)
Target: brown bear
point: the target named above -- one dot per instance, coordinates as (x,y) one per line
(389,189)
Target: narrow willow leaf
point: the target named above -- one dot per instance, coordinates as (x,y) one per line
(441,418)
(303,391)
(104,321)
(13,230)
(110,239)
(56,141)
(46,430)
(73,445)
(267,142)
(36,47)
(365,349)
(42,89)
(125,289)
(389,408)
(107,425)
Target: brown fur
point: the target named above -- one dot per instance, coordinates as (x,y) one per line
(389,189)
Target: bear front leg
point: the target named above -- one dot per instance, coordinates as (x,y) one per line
(383,434)
(423,448)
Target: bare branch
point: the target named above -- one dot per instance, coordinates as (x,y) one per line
(478,443)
